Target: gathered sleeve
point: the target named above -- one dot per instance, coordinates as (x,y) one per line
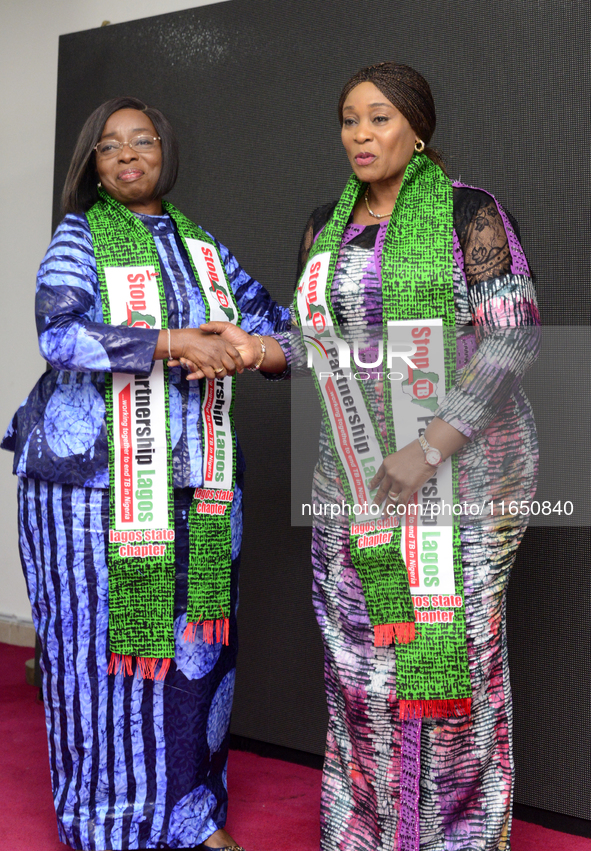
(503,310)
(68,311)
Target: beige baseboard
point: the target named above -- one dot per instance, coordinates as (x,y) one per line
(13,631)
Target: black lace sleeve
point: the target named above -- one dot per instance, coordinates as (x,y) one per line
(314,225)
(482,236)
(504,313)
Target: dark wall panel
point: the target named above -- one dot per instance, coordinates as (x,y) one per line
(251,87)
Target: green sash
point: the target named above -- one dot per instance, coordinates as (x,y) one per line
(432,675)
(141,557)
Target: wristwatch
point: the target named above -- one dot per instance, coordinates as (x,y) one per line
(432,455)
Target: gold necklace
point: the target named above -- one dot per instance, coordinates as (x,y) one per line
(370,211)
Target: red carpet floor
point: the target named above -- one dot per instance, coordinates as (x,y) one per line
(268,798)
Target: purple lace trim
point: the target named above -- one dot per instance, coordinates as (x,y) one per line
(410,773)
(458,253)
(518,260)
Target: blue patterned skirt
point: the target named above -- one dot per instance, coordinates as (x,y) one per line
(134,763)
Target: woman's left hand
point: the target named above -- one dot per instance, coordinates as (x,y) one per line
(404,472)
(401,475)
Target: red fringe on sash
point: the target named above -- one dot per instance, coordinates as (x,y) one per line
(120,664)
(221,626)
(410,709)
(385,633)
(145,668)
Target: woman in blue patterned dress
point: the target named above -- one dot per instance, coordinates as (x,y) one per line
(135,763)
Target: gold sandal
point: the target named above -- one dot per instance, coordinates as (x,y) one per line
(225,848)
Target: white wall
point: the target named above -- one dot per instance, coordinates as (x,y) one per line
(28,80)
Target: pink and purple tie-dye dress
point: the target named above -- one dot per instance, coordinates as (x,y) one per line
(438,785)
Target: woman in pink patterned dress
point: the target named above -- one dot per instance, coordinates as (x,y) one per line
(438,784)
(441,785)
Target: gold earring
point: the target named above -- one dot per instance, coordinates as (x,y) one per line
(419,146)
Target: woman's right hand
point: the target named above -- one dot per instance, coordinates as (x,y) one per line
(210,354)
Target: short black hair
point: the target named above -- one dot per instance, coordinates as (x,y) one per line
(80,189)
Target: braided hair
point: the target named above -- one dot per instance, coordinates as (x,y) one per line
(408,91)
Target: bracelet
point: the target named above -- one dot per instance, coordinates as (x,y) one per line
(257,365)
(169,352)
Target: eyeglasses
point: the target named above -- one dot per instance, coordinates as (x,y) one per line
(140,144)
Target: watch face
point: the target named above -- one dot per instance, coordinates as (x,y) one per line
(433,457)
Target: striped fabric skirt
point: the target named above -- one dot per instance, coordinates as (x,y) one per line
(466,766)
(463,768)
(134,763)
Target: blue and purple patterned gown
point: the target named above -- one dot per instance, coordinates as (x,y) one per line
(134,763)
(457,772)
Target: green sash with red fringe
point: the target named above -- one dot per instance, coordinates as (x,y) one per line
(402,560)
(141,553)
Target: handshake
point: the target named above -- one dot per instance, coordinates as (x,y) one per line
(218,349)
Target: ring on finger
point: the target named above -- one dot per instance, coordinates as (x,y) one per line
(393,495)
(219,369)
